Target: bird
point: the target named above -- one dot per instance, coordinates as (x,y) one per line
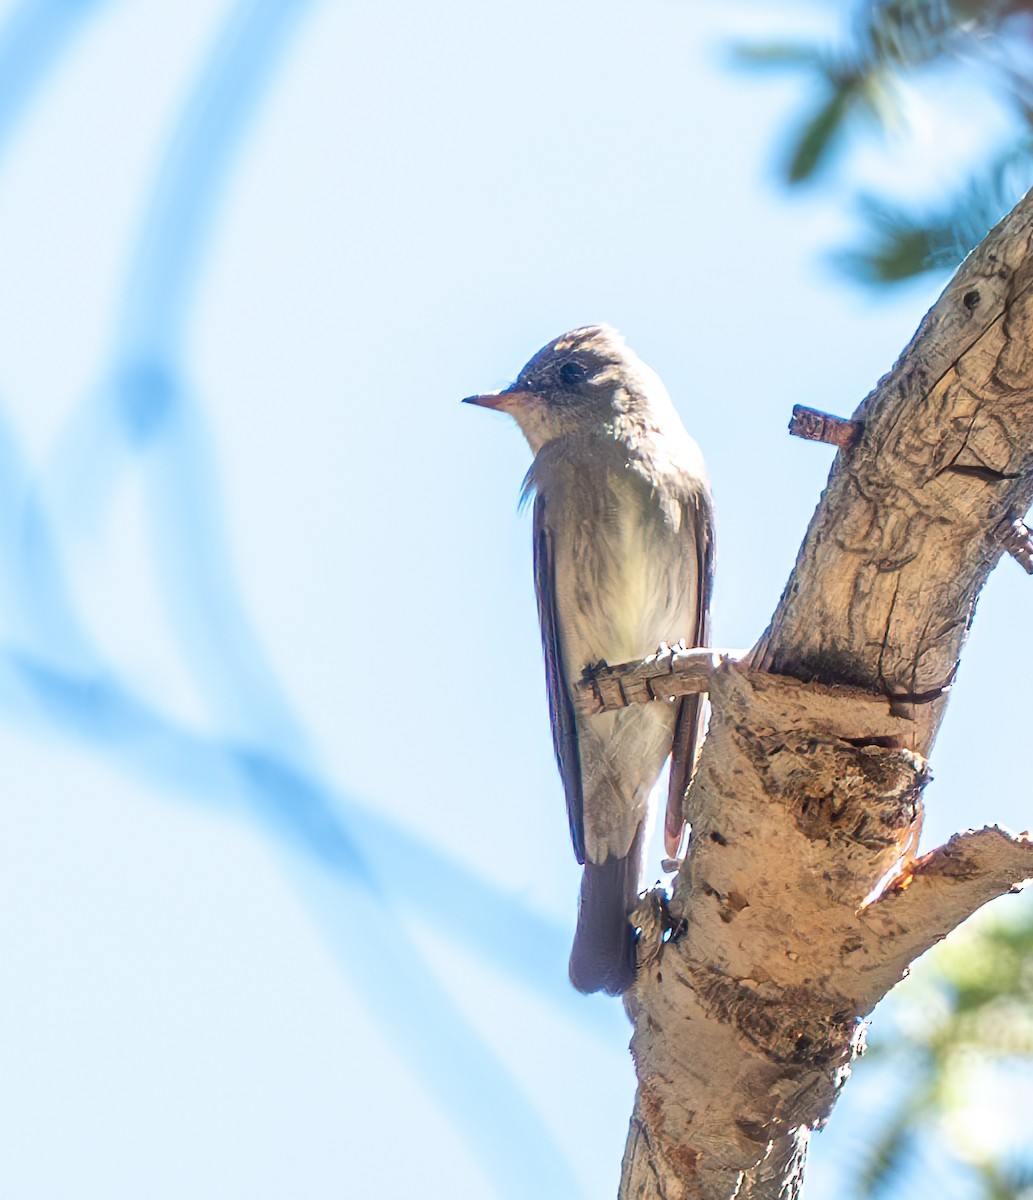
(623,535)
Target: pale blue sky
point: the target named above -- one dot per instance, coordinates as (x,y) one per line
(276,920)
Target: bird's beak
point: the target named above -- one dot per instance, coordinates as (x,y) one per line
(504,401)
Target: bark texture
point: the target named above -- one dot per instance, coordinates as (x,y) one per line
(800,902)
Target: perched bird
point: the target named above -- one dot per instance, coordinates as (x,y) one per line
(623,560)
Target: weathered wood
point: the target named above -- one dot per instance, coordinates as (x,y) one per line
(671,671)
(816,426)
(932,896)
(800,902)
(886,581)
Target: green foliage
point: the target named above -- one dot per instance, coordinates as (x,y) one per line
(857,84)
(819,135)
(961,1025)
(901,242)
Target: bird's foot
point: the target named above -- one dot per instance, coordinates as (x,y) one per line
(656,926)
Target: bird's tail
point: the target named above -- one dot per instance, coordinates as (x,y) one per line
(603,956)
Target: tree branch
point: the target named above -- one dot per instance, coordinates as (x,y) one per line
(671,671)
(800,903)
(934,895)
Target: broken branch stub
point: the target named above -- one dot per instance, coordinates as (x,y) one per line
(815,426)
(671,671)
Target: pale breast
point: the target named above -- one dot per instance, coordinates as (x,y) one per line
(625,580)
(625,573)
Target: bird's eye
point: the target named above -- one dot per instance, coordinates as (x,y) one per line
(572,373)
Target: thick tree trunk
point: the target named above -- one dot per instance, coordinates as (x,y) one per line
(800,903)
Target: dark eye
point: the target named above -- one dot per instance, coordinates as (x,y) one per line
(572,373)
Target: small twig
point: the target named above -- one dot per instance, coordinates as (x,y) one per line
(669,672)
(817,426)
(1015,536)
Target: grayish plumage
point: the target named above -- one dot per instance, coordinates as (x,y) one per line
(623,560)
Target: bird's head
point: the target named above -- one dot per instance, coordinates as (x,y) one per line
(578,381)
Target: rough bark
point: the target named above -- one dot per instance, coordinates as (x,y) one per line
(800,902)
(668,673)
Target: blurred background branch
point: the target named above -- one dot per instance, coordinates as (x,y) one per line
(870,78)
(954,1038)
(256,759)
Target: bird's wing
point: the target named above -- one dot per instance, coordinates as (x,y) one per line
(561,710)
(699,524)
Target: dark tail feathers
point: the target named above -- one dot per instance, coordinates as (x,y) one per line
(603,955)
